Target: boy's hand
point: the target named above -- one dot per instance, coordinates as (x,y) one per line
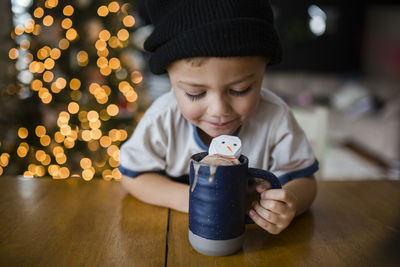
(275,210)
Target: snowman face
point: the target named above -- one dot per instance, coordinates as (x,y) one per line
(226,145)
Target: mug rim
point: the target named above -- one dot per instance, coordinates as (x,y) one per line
(242,159)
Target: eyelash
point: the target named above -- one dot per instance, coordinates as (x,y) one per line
(194,97)
(239,93)
(232,92)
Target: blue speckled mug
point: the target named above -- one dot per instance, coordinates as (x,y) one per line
(217,204)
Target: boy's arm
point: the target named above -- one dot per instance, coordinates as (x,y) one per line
(304,190)
(159,190)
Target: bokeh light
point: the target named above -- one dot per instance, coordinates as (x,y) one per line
(123,34)
(66,23)
(63,44)
(80,109)
(48,21)
(38,12)
(23,132)
(71,34)
(102,11)
(113,7)
(68,10)
(128,21)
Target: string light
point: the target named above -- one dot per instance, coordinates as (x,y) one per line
(113,42)
(48,21)
(23,132)
(38,12)
(4,159)
(19,30)
(75,84)
(55,53)
(40,131)
(128,21)
(68,10)
(114,63)
(37,29)
(22,149)
(66,23)
(82,58)
(58,137)
(104,35)
(48,76)
(51,3)
(123,35)
(63,44)
(45,140)
(29,26)
(105,141)
(49,63)
(78,122)
(13,53)
(71,34)
(25,44)
(136,77)
(73,107)
(102,11)
(113,7)
(112,110)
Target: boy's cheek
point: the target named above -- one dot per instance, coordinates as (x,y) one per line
(191,112)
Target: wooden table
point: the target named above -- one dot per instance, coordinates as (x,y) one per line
(71,222)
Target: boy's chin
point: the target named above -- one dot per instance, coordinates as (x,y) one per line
(214,133)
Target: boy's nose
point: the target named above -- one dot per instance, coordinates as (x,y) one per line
(219,107)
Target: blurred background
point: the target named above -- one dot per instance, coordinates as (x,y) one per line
(74,83)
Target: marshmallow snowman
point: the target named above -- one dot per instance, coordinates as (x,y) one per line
(226,145)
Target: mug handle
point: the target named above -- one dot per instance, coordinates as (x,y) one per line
(268,176)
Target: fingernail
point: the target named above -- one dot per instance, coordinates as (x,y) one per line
(251,212)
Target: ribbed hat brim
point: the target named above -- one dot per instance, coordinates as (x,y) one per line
(226,38)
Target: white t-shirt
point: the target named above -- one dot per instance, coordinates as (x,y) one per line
(164,141)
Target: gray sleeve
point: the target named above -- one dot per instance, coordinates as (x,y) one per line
(145,150)
(291,156)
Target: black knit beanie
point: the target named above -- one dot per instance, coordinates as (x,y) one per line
(210,28)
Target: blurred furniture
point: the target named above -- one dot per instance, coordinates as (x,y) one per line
(72,222)
(314,122)
(374,132)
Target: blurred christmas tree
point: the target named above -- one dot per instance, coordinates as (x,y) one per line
(76,89)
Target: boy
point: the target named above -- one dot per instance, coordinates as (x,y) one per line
(216,53)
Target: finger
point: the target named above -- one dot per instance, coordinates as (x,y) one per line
(278,194)
(259,180)
(273,205)
(262,186)
(266,214)
(269,227)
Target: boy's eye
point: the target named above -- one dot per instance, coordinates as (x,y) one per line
(239,93)
(194,97)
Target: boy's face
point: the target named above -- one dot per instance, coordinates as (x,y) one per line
(218,94)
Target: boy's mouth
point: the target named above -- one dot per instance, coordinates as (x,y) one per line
(220,124)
